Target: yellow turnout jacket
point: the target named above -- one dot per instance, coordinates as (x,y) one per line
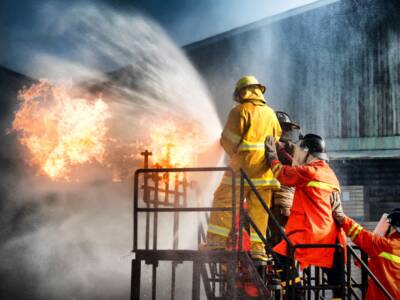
(243,137)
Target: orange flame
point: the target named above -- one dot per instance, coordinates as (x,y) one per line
(60,129)
(175,144)
(63,129)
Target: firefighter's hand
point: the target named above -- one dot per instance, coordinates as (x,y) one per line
(337,209)
(270,149)
(289,147)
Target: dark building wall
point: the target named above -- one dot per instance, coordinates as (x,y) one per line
(10,83)
(380,180)
(335,68)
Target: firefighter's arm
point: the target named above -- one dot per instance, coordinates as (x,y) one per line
(370,243)
(290,175)
(284,199)
(232,134)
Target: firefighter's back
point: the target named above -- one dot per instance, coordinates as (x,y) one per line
(260,121)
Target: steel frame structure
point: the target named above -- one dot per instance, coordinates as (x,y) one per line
(214,257)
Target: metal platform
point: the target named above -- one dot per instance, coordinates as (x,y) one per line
(214,274)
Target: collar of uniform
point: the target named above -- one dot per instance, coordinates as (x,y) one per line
(317,162)
(254,101)
(395,235)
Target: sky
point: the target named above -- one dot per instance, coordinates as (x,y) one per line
(24,24)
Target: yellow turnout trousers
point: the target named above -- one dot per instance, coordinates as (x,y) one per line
(220,223)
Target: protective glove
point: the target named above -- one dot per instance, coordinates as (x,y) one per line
(289,147)
(270,150)
(337,209)
(283,155)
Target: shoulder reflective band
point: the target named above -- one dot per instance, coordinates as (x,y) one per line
(250,146)
(389,256)
(277,169)
(323,186)
(219,230)
(232,137)
(354,231)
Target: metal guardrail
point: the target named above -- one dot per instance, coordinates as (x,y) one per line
(245,222)
(137,209)
(369,274)
(154,255)
(366,272)
(291,249)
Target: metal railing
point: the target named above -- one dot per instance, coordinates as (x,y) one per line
(366,272)
(236,255)
(291,249)
(137,209)
(154,255)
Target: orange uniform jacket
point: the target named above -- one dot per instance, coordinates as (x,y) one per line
(310,220)
(384,253)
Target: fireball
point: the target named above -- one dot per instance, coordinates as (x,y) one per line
(64,129)
(60,129)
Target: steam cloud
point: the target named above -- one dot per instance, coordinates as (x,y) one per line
(72,241)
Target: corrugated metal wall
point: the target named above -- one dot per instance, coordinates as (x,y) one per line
(349,76)
(336,69)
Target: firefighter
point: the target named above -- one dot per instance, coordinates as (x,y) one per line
(310,220)
(243,136)
(383,252)
(282,200)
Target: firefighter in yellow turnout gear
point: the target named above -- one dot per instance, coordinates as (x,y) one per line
(248,124)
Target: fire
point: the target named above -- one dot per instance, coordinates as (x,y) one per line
(60,129)
(175,144)
(64,129)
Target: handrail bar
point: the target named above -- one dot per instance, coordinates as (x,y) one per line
(136,208)
(290,249)
(266,208)
(370,274)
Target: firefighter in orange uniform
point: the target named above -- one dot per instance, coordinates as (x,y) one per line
(310,220)
(248,125)
(383,251)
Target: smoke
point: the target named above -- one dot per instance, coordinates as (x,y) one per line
(72,241)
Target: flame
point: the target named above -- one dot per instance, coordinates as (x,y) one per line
(175,144)
(60,129)
(64,129)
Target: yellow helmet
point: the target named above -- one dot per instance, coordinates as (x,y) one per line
(247,81)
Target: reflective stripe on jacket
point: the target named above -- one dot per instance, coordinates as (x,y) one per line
(310,220)
(243,137)
(384,262)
